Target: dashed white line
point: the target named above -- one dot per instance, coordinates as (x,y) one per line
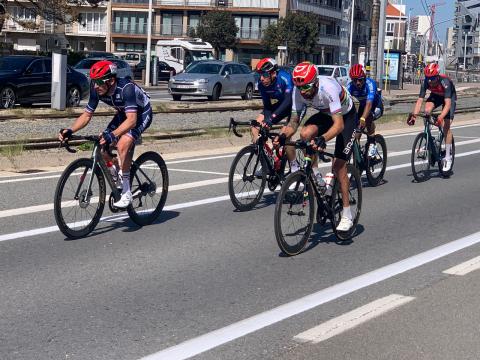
(352,319)
(465,267)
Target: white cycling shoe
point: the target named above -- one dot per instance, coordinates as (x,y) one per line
(345,224)
(447,165)
(124,201)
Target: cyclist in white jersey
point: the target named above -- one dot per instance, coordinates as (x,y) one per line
(336,118)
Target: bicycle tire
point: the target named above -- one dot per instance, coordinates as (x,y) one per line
(355,197)
(374,178)
(447,174)
(421,150)
(288,196)
(66,227)
(147,189)
(251,202)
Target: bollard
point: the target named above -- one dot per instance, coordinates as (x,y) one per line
(59,79)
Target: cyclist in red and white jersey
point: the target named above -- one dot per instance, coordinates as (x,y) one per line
(442,93)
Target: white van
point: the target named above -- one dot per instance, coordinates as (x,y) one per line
(180,52)
(134,58)
(339,73)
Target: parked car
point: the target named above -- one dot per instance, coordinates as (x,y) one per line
(134,58)
(164,71)
(28,79)
(213,79)
(98,54)
(123,69)
(339,73)
(287,68)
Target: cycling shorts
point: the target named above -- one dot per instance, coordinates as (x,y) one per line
(143,122)
(438,100)
(284,115)
(375,113)
(344,140)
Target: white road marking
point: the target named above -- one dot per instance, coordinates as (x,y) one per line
(185,186)
(352,319)
(464,268)
(198,171)
(254,323)
(421,130)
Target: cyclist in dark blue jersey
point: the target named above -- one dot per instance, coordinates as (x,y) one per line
(370,107)
(134,115)
(275,84)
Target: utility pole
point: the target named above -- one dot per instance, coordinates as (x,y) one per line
(350,45)
(381,40)
(374,38)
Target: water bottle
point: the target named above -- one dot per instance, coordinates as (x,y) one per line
(113,171)
(329,183)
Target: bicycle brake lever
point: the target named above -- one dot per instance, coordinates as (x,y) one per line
(67,147)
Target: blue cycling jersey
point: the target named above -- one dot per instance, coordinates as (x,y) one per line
(280,90)
(127,97)
(368,92)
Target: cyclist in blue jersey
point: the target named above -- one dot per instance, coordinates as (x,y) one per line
(275,84)
(365,90)
(133,117)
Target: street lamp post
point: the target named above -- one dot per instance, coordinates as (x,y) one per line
(350,47)
(465,52)
(149,44)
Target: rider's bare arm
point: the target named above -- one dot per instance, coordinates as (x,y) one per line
(367,109)
(81,121)
(418,106)
(291,128)
(336,128)
(127,125)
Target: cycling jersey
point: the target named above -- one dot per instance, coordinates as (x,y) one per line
(331,98)
(127,97)
(281,90)
(443,88)
(369,92)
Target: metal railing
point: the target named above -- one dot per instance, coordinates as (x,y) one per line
(96,30)
(42,26)
(248,33)
(265,4)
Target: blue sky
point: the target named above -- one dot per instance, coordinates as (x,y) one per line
(444,12)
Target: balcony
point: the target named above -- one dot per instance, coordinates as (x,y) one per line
(87,30)
(37,27)
(329,40)
(316,7)
(264,4)
(247,33)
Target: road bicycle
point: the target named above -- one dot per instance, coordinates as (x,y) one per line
(374,167)
(429,150)
(255,166)
(81,190)
(300,196)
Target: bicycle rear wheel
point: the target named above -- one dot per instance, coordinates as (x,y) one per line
(78,210)
(294,213)
(420,159)
(355,201)
(149,184)
(244,187)
(376,166)
(440,165)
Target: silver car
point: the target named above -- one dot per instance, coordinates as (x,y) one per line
(123,69)
(213,79)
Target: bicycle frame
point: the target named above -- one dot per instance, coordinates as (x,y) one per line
(432,141)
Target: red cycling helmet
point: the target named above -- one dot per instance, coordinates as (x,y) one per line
(357,72)
(432,70)
(266,65)
(304,73)
(103,70)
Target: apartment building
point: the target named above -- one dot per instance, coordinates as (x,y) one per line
(396,26)
(121,26)
(466,32)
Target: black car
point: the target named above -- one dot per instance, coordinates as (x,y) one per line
(164,70)
(26,80)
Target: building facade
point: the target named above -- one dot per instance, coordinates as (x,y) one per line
(396,26)
(120,26)
(466,33)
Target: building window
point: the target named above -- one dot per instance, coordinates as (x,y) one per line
(130,23)
(172,24)
(20,13)
(130,47)
(92,22)
(252,27)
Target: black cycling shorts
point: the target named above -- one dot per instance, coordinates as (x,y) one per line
(284,115)
(376,112)
(344,140)
(439,100)
(143,122)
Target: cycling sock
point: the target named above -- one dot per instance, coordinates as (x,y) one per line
(294,166)
(125,181)
(448,153)
(347,213)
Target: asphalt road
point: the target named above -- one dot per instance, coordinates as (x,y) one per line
(209,282)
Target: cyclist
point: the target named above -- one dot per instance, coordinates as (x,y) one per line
(275,84)
(133,117)
(442,92)
(365,90)
(336,118)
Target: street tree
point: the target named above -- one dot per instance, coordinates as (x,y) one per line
(298,31)
(58,11)
(219,29)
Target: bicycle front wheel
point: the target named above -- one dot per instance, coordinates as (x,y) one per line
(377,165)
(149,184)
(78,207)
(246,179)
(355,201)
(294,213)
(420,159)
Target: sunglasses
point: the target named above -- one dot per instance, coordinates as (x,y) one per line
(99,82)
(432,78)
(359,80)
(265,74)
(306,87)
